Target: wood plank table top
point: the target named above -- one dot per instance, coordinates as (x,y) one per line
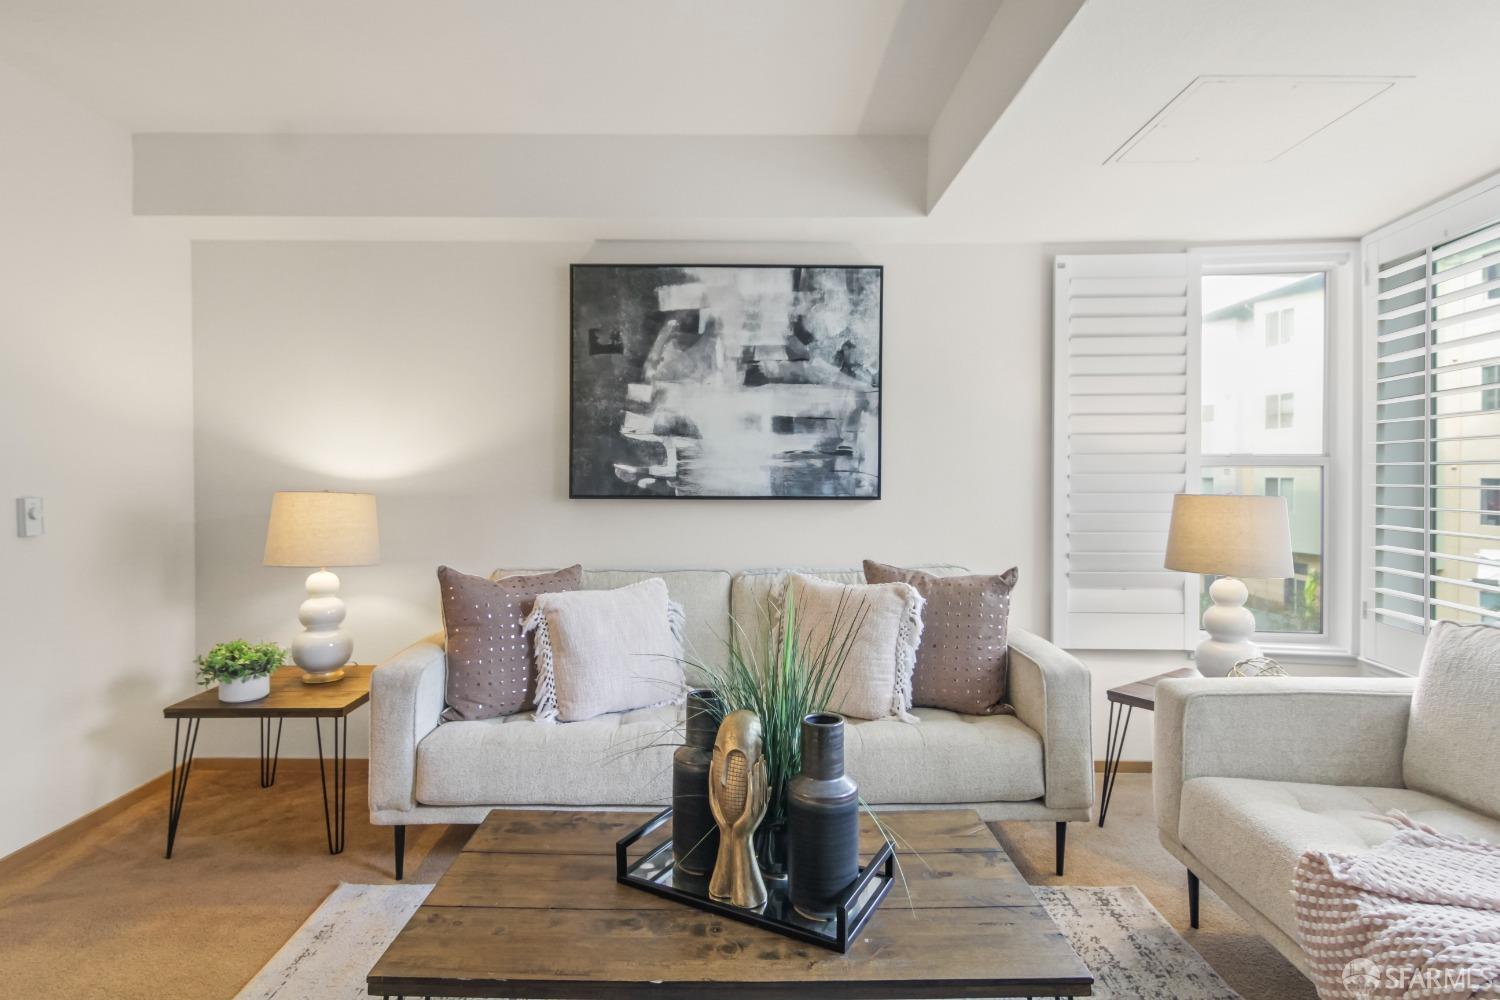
(531,908)
(1142,693)
(289,698)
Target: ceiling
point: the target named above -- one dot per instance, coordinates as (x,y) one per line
(1044,166)
(587,67)
(1042,170)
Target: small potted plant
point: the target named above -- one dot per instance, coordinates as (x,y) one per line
(241,669)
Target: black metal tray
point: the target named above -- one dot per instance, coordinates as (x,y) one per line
(654,872)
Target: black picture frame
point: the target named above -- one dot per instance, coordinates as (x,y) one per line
(602,341)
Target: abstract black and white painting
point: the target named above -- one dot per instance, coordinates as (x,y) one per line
(725,381)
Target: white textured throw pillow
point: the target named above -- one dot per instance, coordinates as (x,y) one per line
(1453,738)
(601,651)
(875,682)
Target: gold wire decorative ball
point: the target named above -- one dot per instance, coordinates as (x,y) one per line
(1257,666)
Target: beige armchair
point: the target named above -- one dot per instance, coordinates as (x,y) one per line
(1249,774)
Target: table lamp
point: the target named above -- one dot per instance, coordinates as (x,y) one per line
(1229,537)
(320,530)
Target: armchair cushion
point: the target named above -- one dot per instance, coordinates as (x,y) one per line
(1318,730)
(1453,739)
(1250,833)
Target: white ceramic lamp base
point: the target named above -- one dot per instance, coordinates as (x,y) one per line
(1229,625)
(323,648)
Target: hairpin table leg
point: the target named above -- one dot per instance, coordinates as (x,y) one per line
(333,818)
(177,791)
(270,755)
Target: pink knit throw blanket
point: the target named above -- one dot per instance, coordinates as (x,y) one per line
(1416,916)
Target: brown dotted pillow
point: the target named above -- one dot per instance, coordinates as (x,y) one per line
(490,666)
(962,663)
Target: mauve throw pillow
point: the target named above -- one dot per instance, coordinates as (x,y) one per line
(962,662)
(490,665)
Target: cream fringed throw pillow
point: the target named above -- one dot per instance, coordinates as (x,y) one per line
(875,682)
(601,651)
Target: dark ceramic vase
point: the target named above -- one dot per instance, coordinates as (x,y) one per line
(771,851)
(695,835)
(822,820)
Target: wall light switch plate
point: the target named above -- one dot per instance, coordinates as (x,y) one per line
(29,522)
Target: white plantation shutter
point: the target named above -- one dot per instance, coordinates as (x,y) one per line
(1125,441)
(1435,539)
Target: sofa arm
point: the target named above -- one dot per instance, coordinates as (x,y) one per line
(1051,692)
(1318,730)
(407,694)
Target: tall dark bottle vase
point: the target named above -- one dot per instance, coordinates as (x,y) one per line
(822,820)
(695,835)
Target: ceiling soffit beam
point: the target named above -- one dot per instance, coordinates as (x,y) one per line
(529,176)
(1021,33)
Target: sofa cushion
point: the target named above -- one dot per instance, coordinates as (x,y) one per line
(874,627)
(1453,739)
(626,760)
(753,593)
(961,663)
(703,594)
(1250,833)
(490,667)
(600,652)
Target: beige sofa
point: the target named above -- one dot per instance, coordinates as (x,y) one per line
(1035,765)
(1249,774)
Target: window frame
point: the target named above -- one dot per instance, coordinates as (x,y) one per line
(1339,459)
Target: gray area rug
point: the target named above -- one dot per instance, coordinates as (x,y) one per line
(1131,949)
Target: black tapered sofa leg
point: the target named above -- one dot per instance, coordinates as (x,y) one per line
(1193,900)
(1062,846)
(400,851)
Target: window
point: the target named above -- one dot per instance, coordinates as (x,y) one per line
(1279,411)
(1161,372)
(1282,486)
(1279,326)
(1489,500)
(1282,457)
(1436,475)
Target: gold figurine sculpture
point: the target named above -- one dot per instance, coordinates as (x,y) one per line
(737,794)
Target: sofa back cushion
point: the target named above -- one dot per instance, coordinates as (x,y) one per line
(703,594)
(1453,740)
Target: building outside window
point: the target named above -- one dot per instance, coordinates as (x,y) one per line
(1489,500)
(1249,382)
(1279,411)
(1280,324)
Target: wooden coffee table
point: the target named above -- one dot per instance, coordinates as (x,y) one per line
(531,908)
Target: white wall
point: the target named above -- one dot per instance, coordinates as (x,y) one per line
(435,374)
(96,616)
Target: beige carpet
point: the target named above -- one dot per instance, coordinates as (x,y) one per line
(100,913)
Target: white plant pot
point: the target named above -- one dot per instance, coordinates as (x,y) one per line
(253,689)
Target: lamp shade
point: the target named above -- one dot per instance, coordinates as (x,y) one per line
(1246,537)
(322,529)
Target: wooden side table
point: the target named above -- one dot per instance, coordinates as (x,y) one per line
(289,699)
(1123,701)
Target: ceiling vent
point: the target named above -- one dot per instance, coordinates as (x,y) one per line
(1246,119)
